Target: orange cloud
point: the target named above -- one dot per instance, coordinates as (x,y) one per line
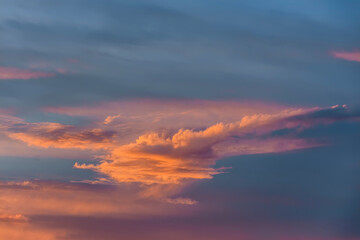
(79,199)
(136,147)
(349,56)
(22,131)
(27,231)
(12,218)
(149,154)
(17,73)
(61,136)
(172,158)
(173,154)
(136,117)
(16,148)
(23,203)
(156,165)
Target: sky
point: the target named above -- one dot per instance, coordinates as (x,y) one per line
(154,119)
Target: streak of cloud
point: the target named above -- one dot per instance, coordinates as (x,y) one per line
(61,136)
(79,199)
(7,73)
(349,56)
(12,218)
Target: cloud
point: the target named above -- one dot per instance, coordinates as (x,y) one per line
(232,64)
(12,218)
(27,231)
(173,157)
(7,73)
(14,131)
(349,56)
(60,136)
(160,108)
(48,139)
(79,199)
(185,201)
(132,118)
(19,219)
(57,200)
(175,142)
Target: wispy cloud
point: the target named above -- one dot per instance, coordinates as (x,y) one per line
(74,201)
(12,218)
(7,73)
(349,56)
(61,136)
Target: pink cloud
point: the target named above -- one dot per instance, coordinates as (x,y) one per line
(349,56)
(17,73)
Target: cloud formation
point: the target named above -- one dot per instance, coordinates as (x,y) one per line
(7,73)
(168,145)
(168,157)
